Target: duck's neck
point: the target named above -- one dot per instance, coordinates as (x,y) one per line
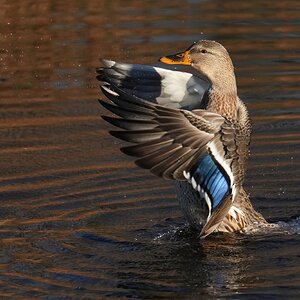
(223,97)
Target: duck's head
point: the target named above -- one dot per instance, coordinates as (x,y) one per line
(208,57)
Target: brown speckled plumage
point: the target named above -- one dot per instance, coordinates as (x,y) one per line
(172,140)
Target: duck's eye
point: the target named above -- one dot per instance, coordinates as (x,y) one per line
(203,51)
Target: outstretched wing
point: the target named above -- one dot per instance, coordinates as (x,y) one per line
(178,144)
(166,87)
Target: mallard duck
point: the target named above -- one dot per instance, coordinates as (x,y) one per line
(193,129)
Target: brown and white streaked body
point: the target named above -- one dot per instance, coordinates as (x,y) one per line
(192,129)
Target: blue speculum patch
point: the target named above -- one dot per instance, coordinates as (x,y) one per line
(208,175)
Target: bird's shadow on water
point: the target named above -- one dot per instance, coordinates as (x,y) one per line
(221,264)
(212,266)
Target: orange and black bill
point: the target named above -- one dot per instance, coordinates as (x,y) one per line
(181,58)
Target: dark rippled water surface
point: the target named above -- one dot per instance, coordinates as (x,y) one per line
(78,219)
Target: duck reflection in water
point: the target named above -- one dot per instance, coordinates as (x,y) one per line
(216,266)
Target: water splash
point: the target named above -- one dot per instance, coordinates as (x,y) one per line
(292,226)
(184,231)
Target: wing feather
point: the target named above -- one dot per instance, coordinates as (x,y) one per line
(166,87)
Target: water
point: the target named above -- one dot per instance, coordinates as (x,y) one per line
(78,219)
